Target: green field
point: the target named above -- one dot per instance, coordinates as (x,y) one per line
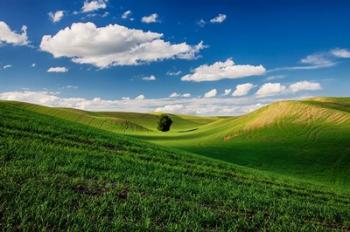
(285,167)
(306,139)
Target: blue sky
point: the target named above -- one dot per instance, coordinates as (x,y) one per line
(212,57)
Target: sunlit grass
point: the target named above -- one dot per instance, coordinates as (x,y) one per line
(61,175)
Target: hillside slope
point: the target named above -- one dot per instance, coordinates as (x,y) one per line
(60,175)
(120,122)
(338,103)
(305,139)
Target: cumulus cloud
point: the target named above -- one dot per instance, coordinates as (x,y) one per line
(174,94)
(126,14)
(170,108)
(56,16)
(140,97)
(200,106)
(270,89)
(211,93)
(57,70)
(210,106)
(218,19)
(273,89)
(149,78)
(341,53)
(242,89)
(11,37)
(153,18)
(304,85)
(223,70)
(94,5)
(114,45)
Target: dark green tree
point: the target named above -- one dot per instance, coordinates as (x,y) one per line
(164,123)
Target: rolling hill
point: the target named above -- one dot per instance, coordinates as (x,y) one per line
(306,139)
(58,174)
(121,122)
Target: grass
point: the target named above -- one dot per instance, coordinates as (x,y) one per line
(303,139)
(306,139)
(121,122)
(58,174)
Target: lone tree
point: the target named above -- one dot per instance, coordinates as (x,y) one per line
(164,123)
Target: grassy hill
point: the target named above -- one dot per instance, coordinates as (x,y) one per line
(57,174)
(306,139)
(121,122)
(150,120)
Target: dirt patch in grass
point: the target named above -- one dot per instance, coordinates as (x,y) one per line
(123,194)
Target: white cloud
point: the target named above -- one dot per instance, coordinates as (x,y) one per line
(175,95)
(211,93)
(7,66)
(227,92)
(126,14)
(170,108)
(149,78)
(242,89)
(218,19)
(11,37)
(56,16)
(94,5)
(210,106)
(200,106)
(57,70)
(170,73)
(316,59)
(311,62)
(37,97)
(304,67)
(270,89)
(223,70)
(304,85)
(114,45)
(273,89)
(140,97)
(153,18)
(341,53)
